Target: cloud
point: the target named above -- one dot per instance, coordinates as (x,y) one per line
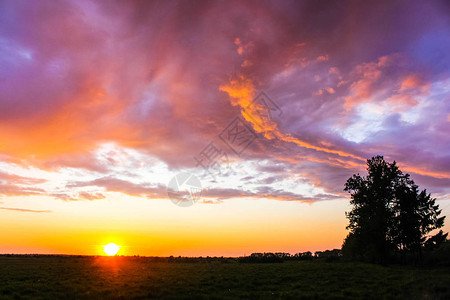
(164,79)
(15,185)
(91,196)
(218,195)
(25,210)
(111,184)
(80,196)
(414,81)
(323,58)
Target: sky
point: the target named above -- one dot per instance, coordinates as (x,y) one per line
(271,105)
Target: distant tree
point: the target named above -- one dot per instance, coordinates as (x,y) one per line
(306,255)
(261,258)
(389,214)
(436,241)
(328,255)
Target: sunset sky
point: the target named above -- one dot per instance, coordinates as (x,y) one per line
(102,103)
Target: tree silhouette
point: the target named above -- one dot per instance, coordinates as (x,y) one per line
(389,214)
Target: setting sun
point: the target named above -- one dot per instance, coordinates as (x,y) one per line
(111,249)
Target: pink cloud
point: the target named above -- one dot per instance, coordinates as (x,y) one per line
(415,82)
(14,185)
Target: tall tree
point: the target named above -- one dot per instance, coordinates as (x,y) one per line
(371,216)
(389,214)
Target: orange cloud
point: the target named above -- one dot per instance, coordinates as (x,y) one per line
(241,92)
(322,58)
(240,49)
(78,125)
(414,81)
(441,175)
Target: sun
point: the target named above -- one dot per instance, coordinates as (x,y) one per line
(111,249)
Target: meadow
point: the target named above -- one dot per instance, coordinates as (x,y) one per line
(91,277)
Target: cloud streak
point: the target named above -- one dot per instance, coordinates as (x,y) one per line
(26,210)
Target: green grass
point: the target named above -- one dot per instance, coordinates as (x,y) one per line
(127,277)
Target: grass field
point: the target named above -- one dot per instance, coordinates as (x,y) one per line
(48,277)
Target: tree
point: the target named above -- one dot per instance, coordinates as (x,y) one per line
(416,215)
(371,216)
(389,214)
(436,241)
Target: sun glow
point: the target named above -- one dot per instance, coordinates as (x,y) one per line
(111,249)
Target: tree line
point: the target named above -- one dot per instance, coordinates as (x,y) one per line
(269,257)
